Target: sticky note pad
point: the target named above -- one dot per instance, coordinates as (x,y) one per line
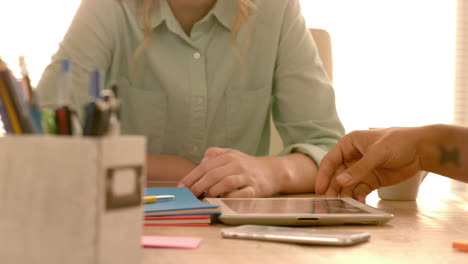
(460,245)
(171,242)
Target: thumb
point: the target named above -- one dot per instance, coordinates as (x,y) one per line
(359,170)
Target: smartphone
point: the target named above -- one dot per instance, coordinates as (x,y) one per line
(298,235)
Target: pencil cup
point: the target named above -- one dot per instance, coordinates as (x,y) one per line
(404,191)
(71,200)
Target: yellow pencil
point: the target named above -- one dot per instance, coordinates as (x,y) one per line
(155,198)
(9,108)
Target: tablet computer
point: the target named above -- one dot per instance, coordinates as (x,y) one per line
(297,211)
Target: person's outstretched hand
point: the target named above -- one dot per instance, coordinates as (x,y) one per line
(363,161)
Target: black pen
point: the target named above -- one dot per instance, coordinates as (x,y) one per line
(97,112)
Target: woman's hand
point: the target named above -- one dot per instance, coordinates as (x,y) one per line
(231,173)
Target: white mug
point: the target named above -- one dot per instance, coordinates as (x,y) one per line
(403,191)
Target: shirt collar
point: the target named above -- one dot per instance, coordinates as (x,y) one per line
(163,14)
(225,12)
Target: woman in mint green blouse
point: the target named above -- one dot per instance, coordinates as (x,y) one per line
(199,79)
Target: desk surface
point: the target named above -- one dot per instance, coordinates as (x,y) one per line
(421,232)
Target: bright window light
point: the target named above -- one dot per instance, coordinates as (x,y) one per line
(33,29)
(393,60)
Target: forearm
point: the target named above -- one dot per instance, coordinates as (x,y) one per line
(444,150)
(167,167)
(295,173)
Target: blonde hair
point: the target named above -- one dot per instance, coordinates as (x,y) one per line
(148,8)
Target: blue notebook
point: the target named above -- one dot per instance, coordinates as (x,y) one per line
(184,203)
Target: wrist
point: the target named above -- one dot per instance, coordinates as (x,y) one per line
(431,138)
(167,167)
(277,169)
(293,173)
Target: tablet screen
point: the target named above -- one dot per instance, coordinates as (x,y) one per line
(292,206)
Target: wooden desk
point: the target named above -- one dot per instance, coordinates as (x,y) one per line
(421,232)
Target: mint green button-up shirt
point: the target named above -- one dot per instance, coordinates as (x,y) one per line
(193,92)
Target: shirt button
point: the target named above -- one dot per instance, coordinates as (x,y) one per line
(200,100)
(195,148)
(197,55)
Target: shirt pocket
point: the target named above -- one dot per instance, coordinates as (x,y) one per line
(247,116)
(143,113)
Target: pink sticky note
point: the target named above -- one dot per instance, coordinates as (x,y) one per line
(171,242)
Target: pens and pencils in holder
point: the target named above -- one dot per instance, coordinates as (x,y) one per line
(15,103)
(67,122)
(110,97)
(97,112)
(48,121)
(9,118)
(31,97)
(156,198)
(62,113)
(26,80)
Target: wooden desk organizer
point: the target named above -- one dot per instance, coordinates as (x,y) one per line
(71,199)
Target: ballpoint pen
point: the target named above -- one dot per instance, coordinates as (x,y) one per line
(26,80)
(97,112)
(66,119)
(155,198)
(31,97)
